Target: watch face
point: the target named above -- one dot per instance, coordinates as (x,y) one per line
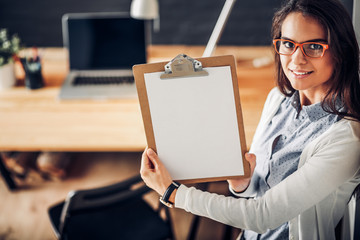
(168,204)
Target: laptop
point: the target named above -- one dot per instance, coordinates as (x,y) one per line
(102,49)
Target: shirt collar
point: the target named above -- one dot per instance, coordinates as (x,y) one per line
(314,111)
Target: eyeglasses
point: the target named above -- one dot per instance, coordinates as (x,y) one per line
(309,49)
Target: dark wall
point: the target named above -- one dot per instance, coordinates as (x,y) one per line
(38,22)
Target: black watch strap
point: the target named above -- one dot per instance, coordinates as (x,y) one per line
(165,198)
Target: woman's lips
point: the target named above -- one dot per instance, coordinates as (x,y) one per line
(300,73)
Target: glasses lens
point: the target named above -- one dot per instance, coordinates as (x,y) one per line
(285,47)
(313,49)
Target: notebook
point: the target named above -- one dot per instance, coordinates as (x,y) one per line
(102,49)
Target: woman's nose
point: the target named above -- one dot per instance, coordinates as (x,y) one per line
(298,57)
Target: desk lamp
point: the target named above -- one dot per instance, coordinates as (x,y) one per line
(149,9)
(144,9)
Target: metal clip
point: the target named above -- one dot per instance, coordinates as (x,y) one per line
(183,66)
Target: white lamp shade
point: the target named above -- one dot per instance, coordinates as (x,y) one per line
(144,9)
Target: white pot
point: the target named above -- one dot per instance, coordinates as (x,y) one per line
(7,76)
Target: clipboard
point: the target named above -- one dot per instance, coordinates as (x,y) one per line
(192,117)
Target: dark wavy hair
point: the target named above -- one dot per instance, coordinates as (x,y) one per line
(336,21)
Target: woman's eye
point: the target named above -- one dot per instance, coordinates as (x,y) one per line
(314,46)
(288,44)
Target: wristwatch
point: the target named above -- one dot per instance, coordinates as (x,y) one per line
(165,198)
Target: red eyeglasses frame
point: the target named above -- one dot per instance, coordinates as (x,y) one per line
(325,47)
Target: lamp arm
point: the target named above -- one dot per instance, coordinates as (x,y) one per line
(219,27)
(356,19)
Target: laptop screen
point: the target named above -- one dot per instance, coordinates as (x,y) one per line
(104,41)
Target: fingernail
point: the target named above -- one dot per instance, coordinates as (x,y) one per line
(150,151)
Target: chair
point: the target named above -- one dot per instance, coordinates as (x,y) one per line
(349,226)
(113,212)
(229,231)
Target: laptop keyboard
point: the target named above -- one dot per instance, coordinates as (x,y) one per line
(104,80)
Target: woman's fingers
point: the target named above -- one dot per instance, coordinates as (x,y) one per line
(241,183)
(147,165)
(154,160)
(154,174)
(251,158)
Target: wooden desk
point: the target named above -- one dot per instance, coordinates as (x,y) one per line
(35,120)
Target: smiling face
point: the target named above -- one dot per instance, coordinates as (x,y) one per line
(308,75)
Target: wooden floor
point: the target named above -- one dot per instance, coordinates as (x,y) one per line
(23,213)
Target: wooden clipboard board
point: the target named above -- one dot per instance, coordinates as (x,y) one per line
(183,152)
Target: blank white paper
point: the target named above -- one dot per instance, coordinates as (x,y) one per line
(195,124)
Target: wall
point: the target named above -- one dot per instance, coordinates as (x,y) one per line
(38,22)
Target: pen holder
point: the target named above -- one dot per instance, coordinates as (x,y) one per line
(33,76)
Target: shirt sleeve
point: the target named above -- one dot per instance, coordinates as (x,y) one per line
(333,162)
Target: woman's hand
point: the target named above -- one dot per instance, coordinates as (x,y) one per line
(240,185)
(153,172)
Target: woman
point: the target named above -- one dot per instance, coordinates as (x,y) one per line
(307,144)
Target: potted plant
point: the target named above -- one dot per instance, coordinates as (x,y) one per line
(9,47)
